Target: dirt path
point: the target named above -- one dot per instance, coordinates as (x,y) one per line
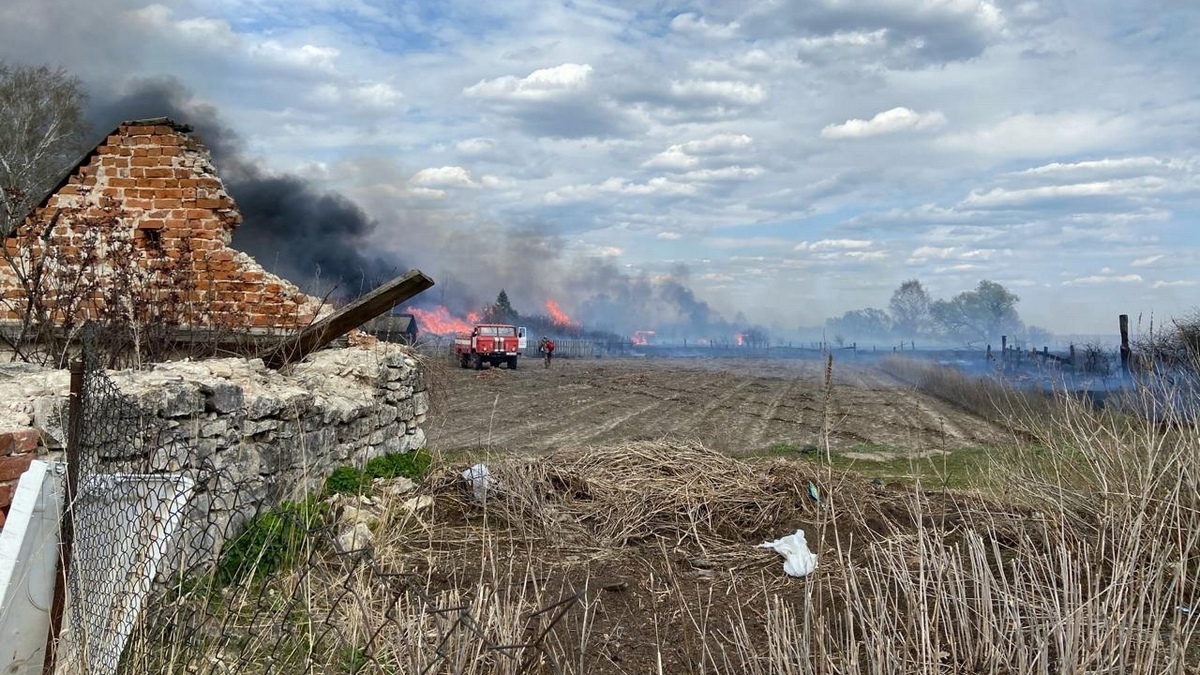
(732,405)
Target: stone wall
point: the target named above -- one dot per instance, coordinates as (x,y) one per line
(251,436)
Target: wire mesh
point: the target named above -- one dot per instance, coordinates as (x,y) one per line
(180,564)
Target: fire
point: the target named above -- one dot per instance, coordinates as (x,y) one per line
(559,317)
(439,321)
(641,337)
(741,338)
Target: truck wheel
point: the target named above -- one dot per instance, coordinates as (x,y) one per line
(479,362)
(512,363)
(462,361)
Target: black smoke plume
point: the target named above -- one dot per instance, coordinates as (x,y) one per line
(320,240)
(313,237)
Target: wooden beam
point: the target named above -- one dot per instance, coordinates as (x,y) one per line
(1123,321)
(351,316)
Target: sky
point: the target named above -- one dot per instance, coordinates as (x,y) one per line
(765,162)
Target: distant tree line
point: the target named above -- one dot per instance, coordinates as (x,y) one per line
(975,317)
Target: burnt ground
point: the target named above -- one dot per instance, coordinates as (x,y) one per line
(736,406)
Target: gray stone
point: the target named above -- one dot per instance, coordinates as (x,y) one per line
(252,427)
(392,444)
(405,409)
(420,403)
(356,538)
(386,414)
(416,439)
(393,487)
(180,399)
(51,414)
(214,427)
(222,397)
(259,406)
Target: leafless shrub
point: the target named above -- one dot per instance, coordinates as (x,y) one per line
(1096,359)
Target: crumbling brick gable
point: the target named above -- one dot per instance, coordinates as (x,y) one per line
(146,211)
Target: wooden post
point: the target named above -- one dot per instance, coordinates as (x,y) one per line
(351,316)
(1072,356)
(1125,350)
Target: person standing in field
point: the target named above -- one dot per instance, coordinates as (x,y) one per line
(546,347)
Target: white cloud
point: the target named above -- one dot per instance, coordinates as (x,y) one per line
(540,85)
(673,157)
(669,236)
(697,25)
(926,253)
(304,57)
(728,173)
(1042,135)
(475,146)
(1001,197)
(444,177)
(843,39)
(1175,284)
(687,155)
(1148,261)
(886,122)
(718,92)
(377,95)
(1097,279)
(1094,166)
(834,245)
(618,186)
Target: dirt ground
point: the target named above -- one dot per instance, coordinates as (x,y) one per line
(668,592)
(736,406)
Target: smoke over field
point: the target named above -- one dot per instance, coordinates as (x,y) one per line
(329,242)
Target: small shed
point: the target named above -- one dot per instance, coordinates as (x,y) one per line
(393,328)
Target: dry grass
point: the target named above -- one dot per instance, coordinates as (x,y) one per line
(641,558)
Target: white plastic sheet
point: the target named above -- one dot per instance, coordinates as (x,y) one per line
(798,560)
(480,479)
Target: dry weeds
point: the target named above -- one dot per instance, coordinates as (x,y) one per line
(641,558)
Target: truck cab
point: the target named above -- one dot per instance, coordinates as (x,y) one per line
(491,343)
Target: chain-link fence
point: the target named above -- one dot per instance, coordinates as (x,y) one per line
(181,564)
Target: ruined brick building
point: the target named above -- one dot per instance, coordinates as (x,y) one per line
(137,235)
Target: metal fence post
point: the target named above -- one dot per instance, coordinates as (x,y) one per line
(67,533)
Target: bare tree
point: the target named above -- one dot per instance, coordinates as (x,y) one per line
(42,131)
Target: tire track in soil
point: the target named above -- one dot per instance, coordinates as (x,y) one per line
(703,422)
(563,426)
(725,406)
(599,433)
(760,435)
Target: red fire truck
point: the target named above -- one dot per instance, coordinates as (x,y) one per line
(493,343)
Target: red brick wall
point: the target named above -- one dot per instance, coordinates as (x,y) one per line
(17,450)
(149,221)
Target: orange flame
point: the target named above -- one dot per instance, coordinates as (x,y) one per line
(741,338)
(559,317)
(439,321)
(641,337)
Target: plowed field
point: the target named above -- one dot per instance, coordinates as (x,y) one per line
(734,405)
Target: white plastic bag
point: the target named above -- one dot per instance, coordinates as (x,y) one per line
(480,479)
(798,560)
